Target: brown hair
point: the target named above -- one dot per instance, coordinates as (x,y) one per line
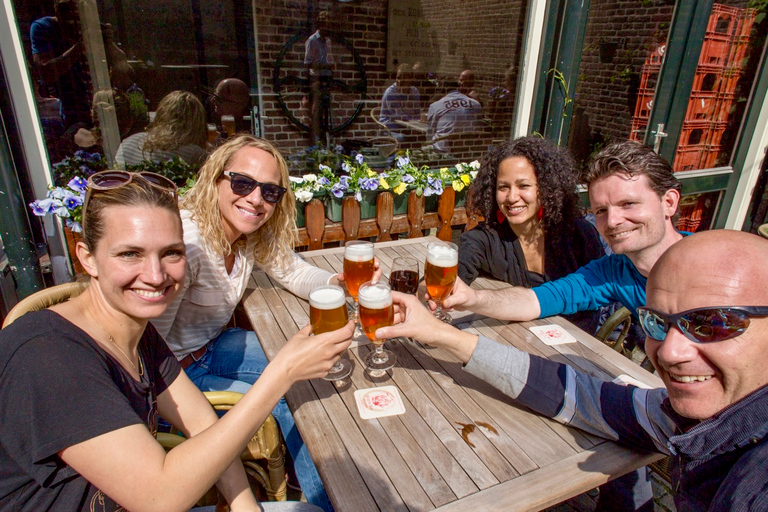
(179,121)
(136,193)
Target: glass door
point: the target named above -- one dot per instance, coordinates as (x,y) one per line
(677,77)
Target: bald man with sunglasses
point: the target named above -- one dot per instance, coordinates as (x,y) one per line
(706,322)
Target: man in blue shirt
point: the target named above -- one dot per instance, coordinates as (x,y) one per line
(401,100)
(634,196)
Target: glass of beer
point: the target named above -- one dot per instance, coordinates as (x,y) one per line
(376,311)
(440,274)
(358,266)
(228,123)
(328,312)
(404,275)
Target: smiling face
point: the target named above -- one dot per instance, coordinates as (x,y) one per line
(700,271)
(517,192)
(139,263)
(630,215)
(245,214)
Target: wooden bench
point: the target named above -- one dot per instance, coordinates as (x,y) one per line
(320,231)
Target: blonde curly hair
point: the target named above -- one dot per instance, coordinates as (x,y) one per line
(275,240)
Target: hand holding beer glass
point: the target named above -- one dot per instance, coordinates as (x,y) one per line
(358,267)
(440,274)
(328,312)
(376,311)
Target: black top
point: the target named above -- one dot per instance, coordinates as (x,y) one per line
(59,388)
(497,254)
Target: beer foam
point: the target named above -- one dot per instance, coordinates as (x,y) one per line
(358,252)
(375,297)
(442,256)
(327,297)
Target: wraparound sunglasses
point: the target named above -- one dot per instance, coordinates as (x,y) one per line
(700,325)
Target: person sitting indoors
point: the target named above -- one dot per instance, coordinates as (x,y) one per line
(533,229)
(453,113)
(178,129)
(401,101)
(467,85)
(634,196)
(82,382)
(237,216)
(231,102)
(707,336)
(80,137)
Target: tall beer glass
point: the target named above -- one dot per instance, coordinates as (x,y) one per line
(376,311)
(404,275)
(358,267)
(328,312)
(440,274)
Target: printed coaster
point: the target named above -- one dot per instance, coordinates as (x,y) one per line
(378,402)
(552,334)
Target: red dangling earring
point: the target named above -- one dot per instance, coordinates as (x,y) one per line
(500,216)
(540,213)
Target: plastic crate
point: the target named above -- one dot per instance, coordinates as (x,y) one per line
(639,127)
(745,21)
(738,54)
(707,78)
(709,158)
(656,56)
(723,20)
(644,103)
(689,158)
(649,76)
(715,51)
(716,133)
(702,106)
(695,133)
(728,80)
(723,107)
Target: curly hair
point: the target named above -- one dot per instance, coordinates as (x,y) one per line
(179,121)
(276,238)
(556,176)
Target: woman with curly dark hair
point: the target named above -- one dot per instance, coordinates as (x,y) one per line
(534,229)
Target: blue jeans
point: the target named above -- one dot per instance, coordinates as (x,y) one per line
(233,362)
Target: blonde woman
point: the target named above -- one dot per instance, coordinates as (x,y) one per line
(178,129)
(237,216)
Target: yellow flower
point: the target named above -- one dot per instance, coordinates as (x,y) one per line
(371,174)
(458,185)
(444,173)
(400,188)
(383,183)
(466,179)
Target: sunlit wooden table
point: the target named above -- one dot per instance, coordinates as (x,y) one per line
(419,460)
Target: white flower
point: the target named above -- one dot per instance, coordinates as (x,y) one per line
(459,167)
(310,178)
(324,168)
(303,195)
(296,180)
(475,165)
(473,173)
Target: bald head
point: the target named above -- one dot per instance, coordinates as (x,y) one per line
(232,97)
(719,267)
(466,81)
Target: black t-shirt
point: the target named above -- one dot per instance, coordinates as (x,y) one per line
(59,388)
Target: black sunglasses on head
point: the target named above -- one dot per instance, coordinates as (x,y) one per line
(700,325)
(243,185)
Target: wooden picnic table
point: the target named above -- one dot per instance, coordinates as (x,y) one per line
(419,460)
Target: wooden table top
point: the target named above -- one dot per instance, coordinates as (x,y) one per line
(413,124)
(419,460)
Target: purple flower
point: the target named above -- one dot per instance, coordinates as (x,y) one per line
(338,190)
(407,178)
(368,183)
(43,207)
(402,161)
(78,184)
(71,202)
(324,181)
(434,186)
(359,158)
(86,170)
(344,181)
(74,226)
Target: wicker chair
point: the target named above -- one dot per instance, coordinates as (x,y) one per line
(265,445)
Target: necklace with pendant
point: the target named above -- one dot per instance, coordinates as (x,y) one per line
(140,368)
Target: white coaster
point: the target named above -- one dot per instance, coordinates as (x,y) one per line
(552,334)
(378,402)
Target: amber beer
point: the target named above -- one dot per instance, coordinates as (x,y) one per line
(228,123)
(441,269)
(358,265)
(375,309)
(327,309)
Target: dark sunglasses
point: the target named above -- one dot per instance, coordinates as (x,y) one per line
(110,180)
(700,325)
(243,185)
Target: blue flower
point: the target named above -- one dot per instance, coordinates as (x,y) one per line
(71,202)
(402,161)
(43,207)
(368,183)
(338,190)
(74,226)
(344,181)
(346,167)
(359,158)
(324,181)
(339,148)
(94,157)
(407,178)
(323,167)
(86,170)
(434,186)
(78,184)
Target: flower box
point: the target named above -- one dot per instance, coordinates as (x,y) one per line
(368,204)
(301,220)
(461,197)
(401,202)
(333,208)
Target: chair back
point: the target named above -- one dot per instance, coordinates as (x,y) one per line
(375,114)
(45,298)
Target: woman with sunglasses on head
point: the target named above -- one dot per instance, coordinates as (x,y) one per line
(534,230)
(237,216)
(82,383)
